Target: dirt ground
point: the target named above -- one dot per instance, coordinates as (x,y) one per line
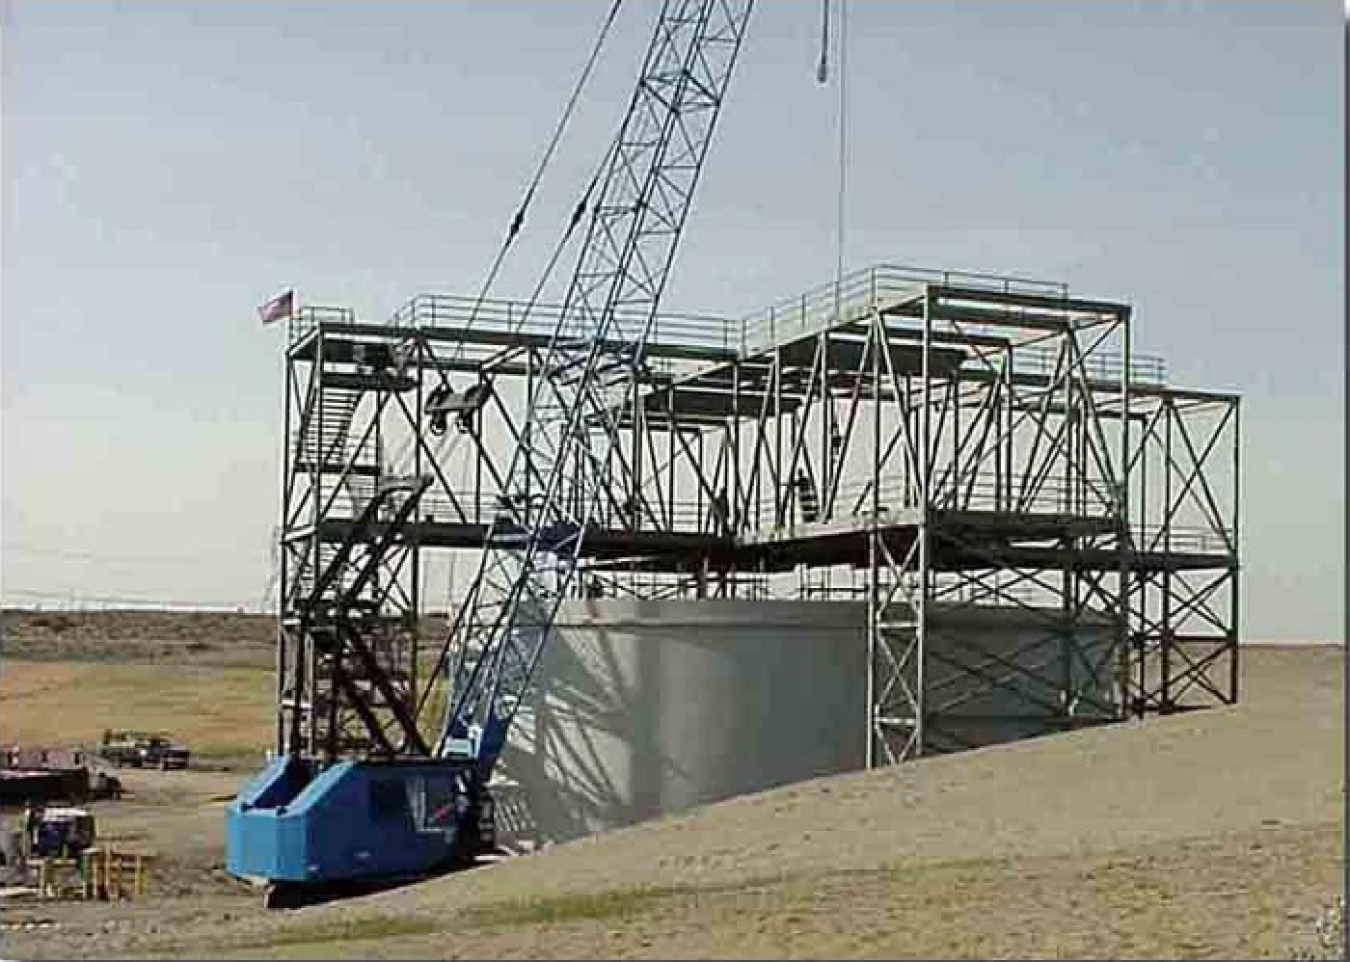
(1214,834)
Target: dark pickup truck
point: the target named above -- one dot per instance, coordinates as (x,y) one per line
(142,750)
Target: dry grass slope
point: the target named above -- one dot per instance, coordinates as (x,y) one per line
(199,638)
(218,712)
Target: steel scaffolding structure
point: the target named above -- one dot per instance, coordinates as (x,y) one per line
(943,446)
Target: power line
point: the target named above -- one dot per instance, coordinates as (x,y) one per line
(76,600)
(80,555)
(822,76)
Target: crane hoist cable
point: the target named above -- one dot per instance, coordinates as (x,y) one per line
(444,389)
(443,656)
(823,68)
(842,197)
(822,75)
(447,441)
(518,219)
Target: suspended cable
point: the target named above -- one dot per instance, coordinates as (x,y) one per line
(73,599)
(518,219)
(447,439)
(578,214)
(443,660)
(823,69)
(97,557)
(842,194)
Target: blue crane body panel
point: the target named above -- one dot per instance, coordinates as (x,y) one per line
(352,820)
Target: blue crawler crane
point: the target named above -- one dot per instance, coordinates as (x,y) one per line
(333,813)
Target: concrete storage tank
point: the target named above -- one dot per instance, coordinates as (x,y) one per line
(643,707)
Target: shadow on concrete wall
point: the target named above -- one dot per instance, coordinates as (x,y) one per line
(661,711)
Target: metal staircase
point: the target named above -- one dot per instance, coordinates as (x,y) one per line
(343,616)
(349,645)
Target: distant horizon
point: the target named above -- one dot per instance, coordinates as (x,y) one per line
(441,613)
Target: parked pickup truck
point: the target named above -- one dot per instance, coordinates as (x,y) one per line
(142,750)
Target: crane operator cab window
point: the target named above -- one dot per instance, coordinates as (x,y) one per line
(438,804)
(388,800)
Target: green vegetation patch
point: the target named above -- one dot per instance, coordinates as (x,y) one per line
(615,903)
(358,928)
(575,907)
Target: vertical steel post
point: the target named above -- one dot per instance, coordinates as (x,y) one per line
(283,560)
(1165,634)
(874,533)
(1234,608)
(778,437)
(826,420)
(1010,415)
(639,429)
(525,423)
(924,532)
(414,539)
(305,684)
(671,427)
(734,431)
(1125,541)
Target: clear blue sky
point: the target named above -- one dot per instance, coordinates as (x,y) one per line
(168,166)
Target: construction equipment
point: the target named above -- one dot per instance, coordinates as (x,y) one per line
(406,805)
(59,832)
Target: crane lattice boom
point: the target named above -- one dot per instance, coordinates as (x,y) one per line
(559,482)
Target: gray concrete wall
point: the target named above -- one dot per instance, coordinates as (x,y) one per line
(643,708)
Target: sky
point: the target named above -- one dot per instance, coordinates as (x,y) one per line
(169,166)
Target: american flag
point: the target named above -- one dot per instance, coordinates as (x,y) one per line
(283,305)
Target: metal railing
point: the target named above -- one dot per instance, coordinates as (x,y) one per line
(512,317)
(1183,539)
(866,290)
(1099,366)
(308,318)
(690,517)
(862,291)
(859,293)
(439,505)
(1052,494)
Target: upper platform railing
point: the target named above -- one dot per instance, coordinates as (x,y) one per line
(820,308)
(311,316)
(458,312)
(1050,500)
(861,292)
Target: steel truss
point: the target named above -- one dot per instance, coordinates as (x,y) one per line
(1184,589)
(941,447)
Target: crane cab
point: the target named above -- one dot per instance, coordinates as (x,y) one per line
(368,820)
